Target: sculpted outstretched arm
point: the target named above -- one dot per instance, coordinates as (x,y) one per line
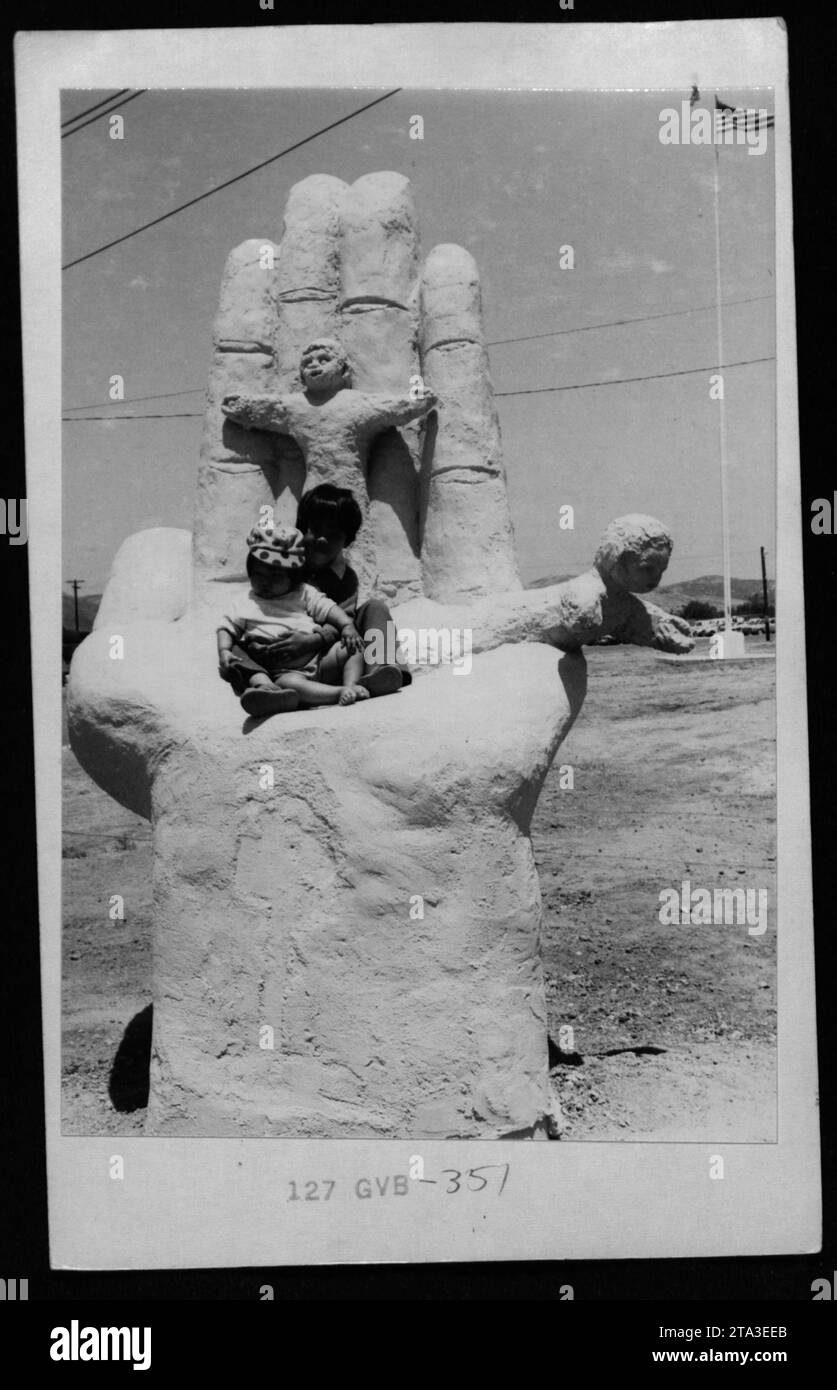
(582,610)
(671,634)
(633,619)
(383,411)
(259,412)
(566,615)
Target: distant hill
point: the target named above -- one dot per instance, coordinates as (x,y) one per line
(709,588)
(88,607)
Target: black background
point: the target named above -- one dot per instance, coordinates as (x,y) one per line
(735,1283)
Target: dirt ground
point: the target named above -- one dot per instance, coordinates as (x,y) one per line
(673,1028)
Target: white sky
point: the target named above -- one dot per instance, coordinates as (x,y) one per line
(512,177)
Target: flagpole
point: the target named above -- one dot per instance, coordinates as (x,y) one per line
(722,423)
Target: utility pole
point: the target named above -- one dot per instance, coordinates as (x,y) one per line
(722,427)
(764,592)
(76,583)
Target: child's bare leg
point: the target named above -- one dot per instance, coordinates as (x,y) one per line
(263,697)
(378,680)
(330,669)
(342,671)
(309,692)
(352,672)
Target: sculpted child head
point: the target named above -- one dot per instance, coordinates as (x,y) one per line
(324,365)
(633,553)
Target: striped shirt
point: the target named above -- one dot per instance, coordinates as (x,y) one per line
(268,618)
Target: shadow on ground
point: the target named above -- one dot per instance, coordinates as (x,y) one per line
(128,1084)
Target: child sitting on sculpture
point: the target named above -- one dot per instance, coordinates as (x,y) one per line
(329,518)
(270,681)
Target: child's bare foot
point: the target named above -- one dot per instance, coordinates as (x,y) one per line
(350,693)
(385,680)
(262,700)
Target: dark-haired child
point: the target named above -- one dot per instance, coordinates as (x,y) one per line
(329,518)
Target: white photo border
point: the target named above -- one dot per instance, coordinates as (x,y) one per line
(211,1202)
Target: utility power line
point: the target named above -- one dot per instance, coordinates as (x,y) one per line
(620,381)
(71,120)
(155,221)
(104,113)
(584,328)
(136,400)
(175,415)
(613,323)
(531,391)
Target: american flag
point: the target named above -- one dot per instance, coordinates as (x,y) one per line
(738,117)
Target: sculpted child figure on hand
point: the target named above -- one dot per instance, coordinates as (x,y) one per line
(334,426)
(631,559)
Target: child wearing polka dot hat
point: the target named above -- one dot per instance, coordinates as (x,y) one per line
(280,601)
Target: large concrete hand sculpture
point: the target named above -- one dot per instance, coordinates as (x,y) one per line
(348,268)
(346,906)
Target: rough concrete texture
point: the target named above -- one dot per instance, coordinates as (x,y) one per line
(467,537)
(237,471)
(150,579)
(379,240)
(308,272)
(289,905)
(379,330)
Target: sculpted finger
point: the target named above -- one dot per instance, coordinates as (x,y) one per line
(308,278)
(379,325)
(467,536)
(307,292)
(234,479)
(151,577)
